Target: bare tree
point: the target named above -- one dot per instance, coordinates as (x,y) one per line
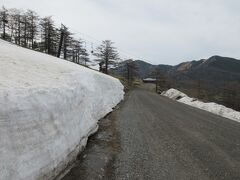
(67,43)
(25,25)
(11,25)
(49,36)
(4,21)
(62,30)
(161,81)
(84,56)
(15,24)
(131,71)
(32,29)
(106,55)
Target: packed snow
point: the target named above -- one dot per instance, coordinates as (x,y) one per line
(48,108)
(211,107)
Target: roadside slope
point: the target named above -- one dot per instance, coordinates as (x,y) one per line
(48,108)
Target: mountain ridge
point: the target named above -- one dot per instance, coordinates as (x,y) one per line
(218,63)
(214,79)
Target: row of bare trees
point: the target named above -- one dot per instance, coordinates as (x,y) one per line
(29,30)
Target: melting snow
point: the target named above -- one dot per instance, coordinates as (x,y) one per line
(211,107)
(48,108)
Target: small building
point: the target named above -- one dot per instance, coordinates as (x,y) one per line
(149,80)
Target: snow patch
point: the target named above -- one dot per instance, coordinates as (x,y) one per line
(174,94)
(48,108)
(211,107)
(149,79)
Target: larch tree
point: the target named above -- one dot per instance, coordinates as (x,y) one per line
(15,25)
(4,21)
(49,36)
(32,29)
(76,48)
(161,81)
(11,25)
(25,33)
(67,45)
(79,52)
(130,71)
(106,55)
(84,56)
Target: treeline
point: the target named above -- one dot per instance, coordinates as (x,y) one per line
(29,30)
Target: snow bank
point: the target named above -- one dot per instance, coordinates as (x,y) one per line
(211,107)
(48,108)
(174,94)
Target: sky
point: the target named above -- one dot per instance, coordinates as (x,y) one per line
(156,31)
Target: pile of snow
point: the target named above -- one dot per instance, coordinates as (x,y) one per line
(174,94)
(149,79)
(48,108)
(211,107)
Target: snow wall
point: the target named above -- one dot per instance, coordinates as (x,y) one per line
(210,107)
(48,108)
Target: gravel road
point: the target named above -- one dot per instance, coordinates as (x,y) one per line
(153,137)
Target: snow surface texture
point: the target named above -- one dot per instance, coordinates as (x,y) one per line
(48,108)
(211,107)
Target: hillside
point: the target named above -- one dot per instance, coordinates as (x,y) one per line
(214,79)
(215,68)
(48,108)
(144,69)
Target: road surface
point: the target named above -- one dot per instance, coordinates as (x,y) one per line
(153,137)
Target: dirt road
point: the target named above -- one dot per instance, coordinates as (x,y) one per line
(152,137)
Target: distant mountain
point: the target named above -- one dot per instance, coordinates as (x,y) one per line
(217,63)
(215,67)
(217,78)
(145,69)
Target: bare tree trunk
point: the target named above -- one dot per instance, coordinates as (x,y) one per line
(19,30)
(4,25)
(106,66)
(4,30)
(61,41)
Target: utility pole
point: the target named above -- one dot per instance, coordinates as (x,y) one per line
(63,32)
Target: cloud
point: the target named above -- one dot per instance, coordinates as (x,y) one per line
(158,31)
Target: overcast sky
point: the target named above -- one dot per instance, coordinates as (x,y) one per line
(157,31)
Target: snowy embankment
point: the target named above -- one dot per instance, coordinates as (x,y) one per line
(48,108)
(211,107)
